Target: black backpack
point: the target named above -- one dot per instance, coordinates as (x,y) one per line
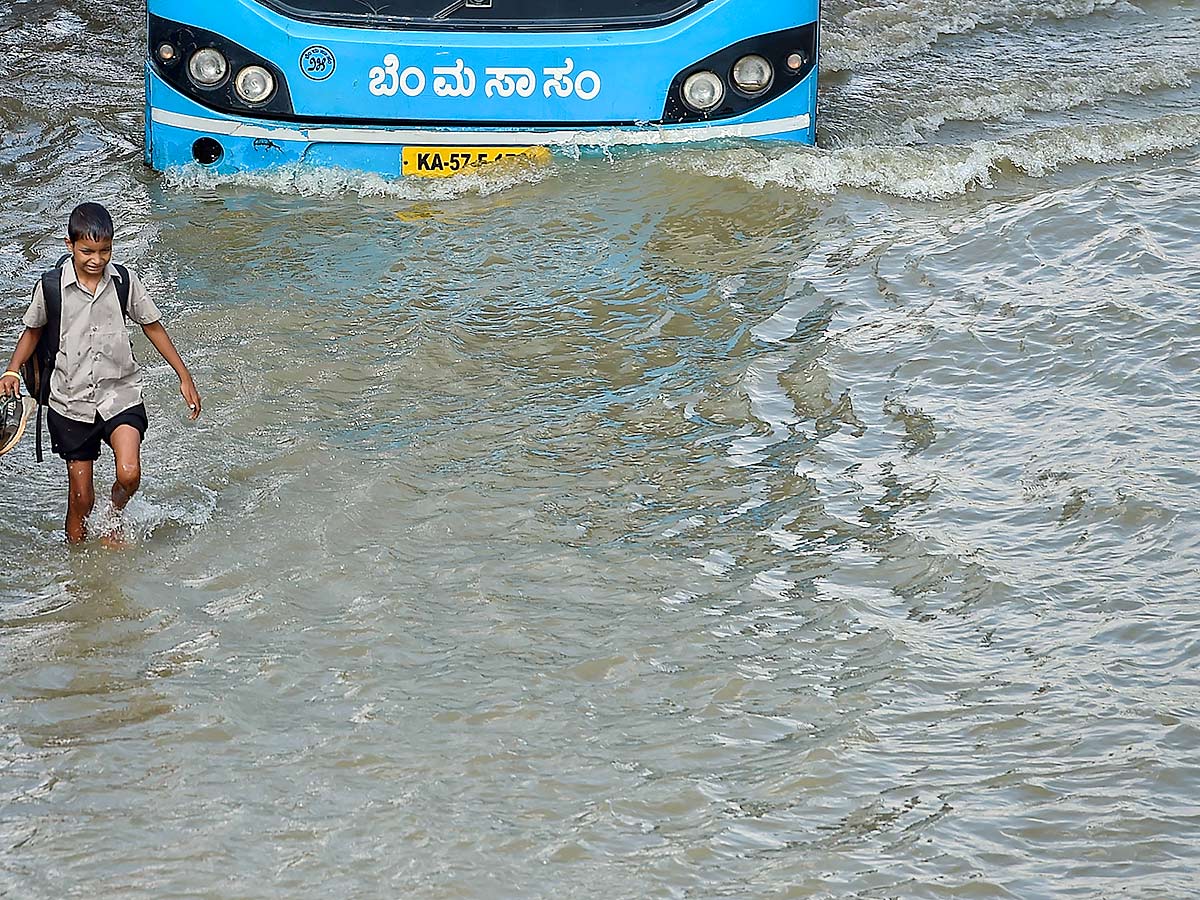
(40,364)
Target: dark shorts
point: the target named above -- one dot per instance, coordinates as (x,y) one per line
(80,441)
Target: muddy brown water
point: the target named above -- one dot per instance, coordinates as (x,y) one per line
(739,522)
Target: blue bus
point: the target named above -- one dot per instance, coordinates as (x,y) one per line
(435,87)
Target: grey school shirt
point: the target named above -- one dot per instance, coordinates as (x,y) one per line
(95,371)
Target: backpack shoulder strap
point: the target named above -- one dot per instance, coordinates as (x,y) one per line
(52,297)
(52,294)
(123,289)
(46,351)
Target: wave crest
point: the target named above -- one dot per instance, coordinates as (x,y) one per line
(311,181)
(874,33)
(931,172)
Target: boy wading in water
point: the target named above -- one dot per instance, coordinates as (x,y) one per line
(95,386)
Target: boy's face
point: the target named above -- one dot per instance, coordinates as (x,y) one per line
(90,256)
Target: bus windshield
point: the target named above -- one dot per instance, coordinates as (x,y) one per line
(483,14)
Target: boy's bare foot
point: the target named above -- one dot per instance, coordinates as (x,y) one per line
(107,524)
(114,541)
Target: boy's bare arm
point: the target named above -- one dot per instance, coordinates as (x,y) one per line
(10,386)
(162,343)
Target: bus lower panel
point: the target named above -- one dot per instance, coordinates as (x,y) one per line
(192,136)
(172,148)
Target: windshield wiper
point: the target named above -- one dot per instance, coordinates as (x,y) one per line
(462,4)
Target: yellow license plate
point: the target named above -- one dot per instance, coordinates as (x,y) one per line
(439,162)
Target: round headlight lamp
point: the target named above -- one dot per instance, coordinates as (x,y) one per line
(254,84)
(208,67)
(703,91)
(753,74)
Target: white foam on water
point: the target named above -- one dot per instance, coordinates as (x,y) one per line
(186,654)
(12,260)
(1013,98)
(63,24)
(876,32)
(242,601)
(934,172)
(312,181)
(138,522)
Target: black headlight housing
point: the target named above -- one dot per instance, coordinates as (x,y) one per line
(775,47)
(185,40)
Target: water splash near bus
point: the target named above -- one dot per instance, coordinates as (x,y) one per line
(333,182)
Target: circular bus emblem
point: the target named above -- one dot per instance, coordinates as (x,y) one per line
(317,62)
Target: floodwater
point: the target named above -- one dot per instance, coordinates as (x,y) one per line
(742,522)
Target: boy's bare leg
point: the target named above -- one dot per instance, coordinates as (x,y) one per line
(126,442)
(81,497)
(127,449)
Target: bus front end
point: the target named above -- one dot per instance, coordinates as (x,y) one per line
(432,87)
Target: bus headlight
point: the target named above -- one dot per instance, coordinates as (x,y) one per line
(254,84)
(703,91)
(753,74)
(796,60)
(208,67)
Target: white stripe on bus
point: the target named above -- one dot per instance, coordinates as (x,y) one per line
(600,136)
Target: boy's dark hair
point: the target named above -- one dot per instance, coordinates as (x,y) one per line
(91,221)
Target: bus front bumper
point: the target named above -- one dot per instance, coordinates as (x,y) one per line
(180,132)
